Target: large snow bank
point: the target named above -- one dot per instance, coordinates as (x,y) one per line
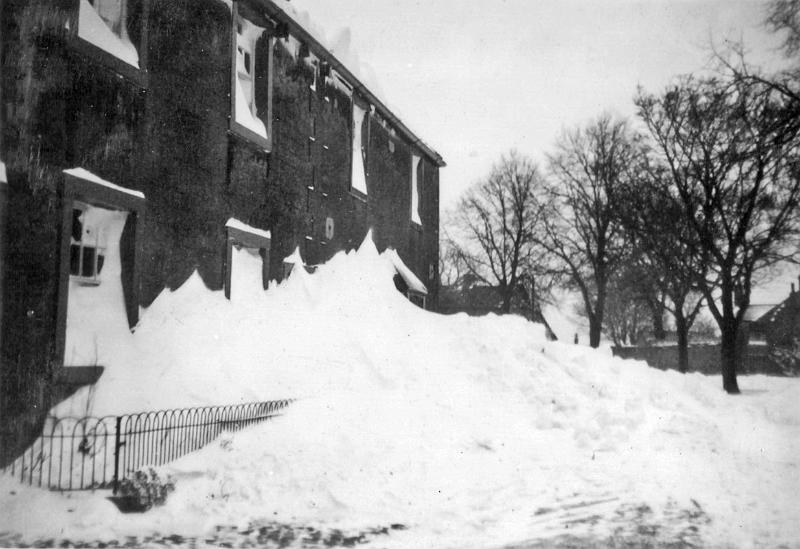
(472,432)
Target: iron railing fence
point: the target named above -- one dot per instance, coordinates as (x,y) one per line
(91,453)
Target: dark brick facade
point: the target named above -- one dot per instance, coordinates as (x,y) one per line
(165,130)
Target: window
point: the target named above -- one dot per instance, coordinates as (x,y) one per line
(415,190)
(251,78)
(246,260)
(87,245)
(100,244)
(103,23)
(244,62)
(406,281)
(358,179)
(112,12)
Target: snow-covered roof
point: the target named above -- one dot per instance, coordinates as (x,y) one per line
(82,173)
(755,312)
(234,223)
(300,25)
(414,283)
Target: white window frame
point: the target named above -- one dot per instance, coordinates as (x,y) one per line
(245,121)
(358,168)
(239,234)
(123,13)
(95,30)
(415,163)
(246,46)
(99,249)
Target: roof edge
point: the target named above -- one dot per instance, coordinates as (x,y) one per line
(273,10)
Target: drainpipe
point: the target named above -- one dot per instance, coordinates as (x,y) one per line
(3,218)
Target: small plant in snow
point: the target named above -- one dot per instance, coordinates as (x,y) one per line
(147,488)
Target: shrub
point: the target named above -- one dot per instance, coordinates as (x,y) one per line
(147,489)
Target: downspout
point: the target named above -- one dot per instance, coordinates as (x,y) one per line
(3,190)
(3,218)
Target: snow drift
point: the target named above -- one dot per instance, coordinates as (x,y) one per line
(471,432)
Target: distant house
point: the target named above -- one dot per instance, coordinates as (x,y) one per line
(182,135)
(776,325)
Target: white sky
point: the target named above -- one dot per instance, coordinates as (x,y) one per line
(476,78)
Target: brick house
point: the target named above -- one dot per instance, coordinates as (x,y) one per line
(180,132)
(776,325)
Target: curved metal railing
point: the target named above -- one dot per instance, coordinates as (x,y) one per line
(88,452)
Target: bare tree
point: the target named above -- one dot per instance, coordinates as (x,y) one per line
(665,255)
(451,268)
(627,310)
(784,16)
(583,232)
(498,223)
(732,161)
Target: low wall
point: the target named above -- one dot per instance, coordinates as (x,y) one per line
(703,358)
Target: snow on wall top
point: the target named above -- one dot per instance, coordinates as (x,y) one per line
(89,176)
(234,223)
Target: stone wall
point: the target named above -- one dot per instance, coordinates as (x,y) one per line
(703,358)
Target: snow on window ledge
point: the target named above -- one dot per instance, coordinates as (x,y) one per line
(234,223)
(86,175)
(94,30)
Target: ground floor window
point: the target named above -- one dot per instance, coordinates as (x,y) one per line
(406,281)
(88,243)
(101,233)
(246,260)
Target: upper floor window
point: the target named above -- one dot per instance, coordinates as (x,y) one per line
(245,44)
(415,190)
(251,80)
(104,23)
(358,179)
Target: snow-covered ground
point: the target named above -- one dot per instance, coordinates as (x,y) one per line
(469,432)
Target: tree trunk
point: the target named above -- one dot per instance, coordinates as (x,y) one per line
(682,329)
(506,306)
(659,333)
(729,356)
(595,328)
(507,293)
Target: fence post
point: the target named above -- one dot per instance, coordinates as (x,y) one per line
(117,446)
